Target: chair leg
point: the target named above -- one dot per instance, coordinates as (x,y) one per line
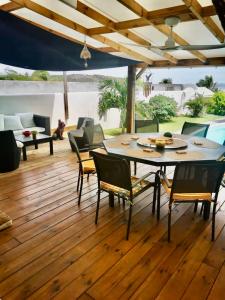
(158,201)
(88,176)
(213,221)
(97,208)
(154,195)
(135,168)
(123,202)
(78,181)
(169,222)
(129,222)
(81,186)
(195,207)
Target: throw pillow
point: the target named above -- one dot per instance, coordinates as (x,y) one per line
(1,122)
(27,119)
(12,123)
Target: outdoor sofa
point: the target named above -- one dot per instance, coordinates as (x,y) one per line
(25,121)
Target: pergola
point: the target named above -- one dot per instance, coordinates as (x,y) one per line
(121,27)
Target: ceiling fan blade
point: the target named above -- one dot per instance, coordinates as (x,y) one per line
(136,45)
(202,47)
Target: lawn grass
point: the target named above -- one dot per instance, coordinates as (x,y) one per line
(175,125)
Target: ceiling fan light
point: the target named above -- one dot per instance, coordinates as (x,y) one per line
(170,42)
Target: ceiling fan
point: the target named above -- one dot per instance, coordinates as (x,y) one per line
(170,44)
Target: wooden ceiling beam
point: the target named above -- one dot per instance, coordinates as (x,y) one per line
(162,28)
(77,27)
(157,17)
(91,13)
(189,63)
(11,6)
(196,9)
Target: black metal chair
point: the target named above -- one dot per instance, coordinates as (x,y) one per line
(86,166)
(193,182)
(93,136)
(145,126)
(114,177)
(9,152)
(78,134)
(84,122)
(195,129)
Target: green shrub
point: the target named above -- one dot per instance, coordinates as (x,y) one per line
(196,106)
(217,104)
(163,108)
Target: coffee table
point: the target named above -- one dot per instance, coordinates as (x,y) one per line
(29,141)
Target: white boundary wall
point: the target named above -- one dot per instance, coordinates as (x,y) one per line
(81,104)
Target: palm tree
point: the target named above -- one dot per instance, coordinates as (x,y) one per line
(208,82)
(113,95)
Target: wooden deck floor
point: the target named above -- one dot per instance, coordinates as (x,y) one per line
(54,250)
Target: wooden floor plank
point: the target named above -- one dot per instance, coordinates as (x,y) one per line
(54,249)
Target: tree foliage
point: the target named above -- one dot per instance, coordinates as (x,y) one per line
(11,74)
(207,82)
(113,94)
(217,104)
(166,81)
(196,106)
(160,107)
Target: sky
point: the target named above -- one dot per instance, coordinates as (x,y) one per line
(178,75)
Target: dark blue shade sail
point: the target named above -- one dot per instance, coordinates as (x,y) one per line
(27,46)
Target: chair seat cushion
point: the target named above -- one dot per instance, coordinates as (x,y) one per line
(5,221)
(123,192)
(185,196)
(88,166)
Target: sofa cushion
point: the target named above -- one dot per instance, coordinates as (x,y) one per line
(38,129)
(27,119)
(19,144)
(1,122)
(12,123)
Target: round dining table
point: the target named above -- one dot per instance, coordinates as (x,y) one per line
(189,148)
(138,148)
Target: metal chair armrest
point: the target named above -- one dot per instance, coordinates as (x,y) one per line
(142,178)
(163,175)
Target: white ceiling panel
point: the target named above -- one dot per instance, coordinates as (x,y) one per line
(2,2)
(34,17)
(151,34)
(133,46)
(159,4)
(214,53)
(111,9)
(120,54)
(195,33)
(68,12)
(205,2)
(181,54)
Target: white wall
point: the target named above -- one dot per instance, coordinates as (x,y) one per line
(81,104)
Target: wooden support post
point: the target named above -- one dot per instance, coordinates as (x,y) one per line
(131,98)
(66,108)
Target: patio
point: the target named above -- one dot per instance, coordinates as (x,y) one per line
(55,250)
